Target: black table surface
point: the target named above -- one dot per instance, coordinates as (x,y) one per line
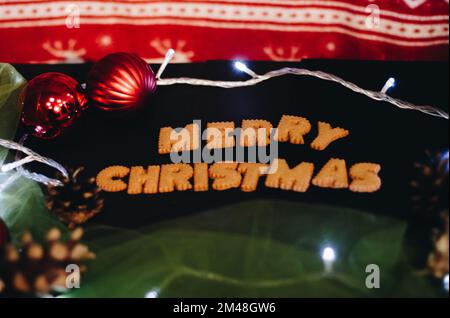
(379,132)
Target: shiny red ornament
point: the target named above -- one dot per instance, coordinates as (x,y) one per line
(50,104)
(4,234)
(120,81)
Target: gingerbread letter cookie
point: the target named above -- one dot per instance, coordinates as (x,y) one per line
(225,175)
(139,178)
(327,135)
(171,140)
(251,172)
(106,179)
(296,179)
(219,134)
(175,175)
(255,132)
(201,177)
(332,175)
(365,177)
(292,129)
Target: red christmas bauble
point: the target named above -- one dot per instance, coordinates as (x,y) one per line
(50,104)
(4,234)
(120,81)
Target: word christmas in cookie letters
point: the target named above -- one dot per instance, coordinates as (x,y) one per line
(360,177)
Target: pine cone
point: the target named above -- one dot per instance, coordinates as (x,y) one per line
(38,269)
(430,185)
(77,201)
(429,219)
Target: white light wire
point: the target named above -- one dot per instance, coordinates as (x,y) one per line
(31,156)
(378,96)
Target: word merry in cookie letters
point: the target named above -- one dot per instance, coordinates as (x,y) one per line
(228,174)
(225,142)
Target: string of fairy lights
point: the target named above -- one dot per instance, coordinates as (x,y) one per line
(255,79)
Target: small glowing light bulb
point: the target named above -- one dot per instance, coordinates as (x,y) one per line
(328,254)
(389,84)
(152,293)
(243,68)
(240,66)
(169,55)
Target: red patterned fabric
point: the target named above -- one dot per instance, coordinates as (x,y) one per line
(44,31)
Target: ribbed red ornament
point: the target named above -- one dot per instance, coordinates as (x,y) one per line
(4,234)
(50,104)
(120,81)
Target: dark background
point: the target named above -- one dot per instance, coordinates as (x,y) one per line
(379,132)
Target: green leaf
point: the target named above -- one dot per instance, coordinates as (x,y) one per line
(21,200)
(11,83)
(253,249)
(22,208)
